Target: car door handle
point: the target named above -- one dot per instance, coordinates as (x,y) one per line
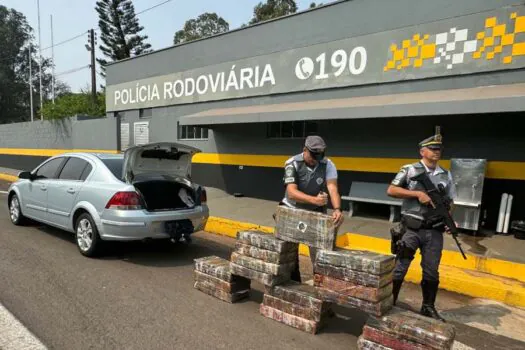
(71,190)
(43,188)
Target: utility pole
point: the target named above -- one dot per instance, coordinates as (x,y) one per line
(31,83)
(93,66)
(53,62)
(40,62)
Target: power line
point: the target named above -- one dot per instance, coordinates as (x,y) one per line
(98,29)
(74,70)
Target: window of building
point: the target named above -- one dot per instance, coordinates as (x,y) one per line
(189,132)
(145,113)
(291,130)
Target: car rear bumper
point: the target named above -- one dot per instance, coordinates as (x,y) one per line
(125,225)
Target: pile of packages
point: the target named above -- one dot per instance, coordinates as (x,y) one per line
(264,258)
(296,305)
(405,330)
(213,277)
(354,278)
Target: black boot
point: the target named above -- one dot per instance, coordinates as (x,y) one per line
(396,288)
(429,289)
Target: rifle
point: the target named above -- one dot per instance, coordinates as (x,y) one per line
(437,195)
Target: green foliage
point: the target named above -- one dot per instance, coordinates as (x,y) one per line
(205,25)
(119,28)
(314,5)
(16,41)
(72,104)
(273,9)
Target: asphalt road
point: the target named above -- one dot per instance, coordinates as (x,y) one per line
(142,297)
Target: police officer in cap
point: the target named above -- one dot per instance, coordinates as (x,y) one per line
(308,177)
(421,229)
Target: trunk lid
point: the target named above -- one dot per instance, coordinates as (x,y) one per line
(161,158)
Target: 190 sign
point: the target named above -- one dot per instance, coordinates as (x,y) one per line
(339,61)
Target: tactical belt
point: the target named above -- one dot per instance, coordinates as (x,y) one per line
(426,224)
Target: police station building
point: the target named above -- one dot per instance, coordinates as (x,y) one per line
(372,77)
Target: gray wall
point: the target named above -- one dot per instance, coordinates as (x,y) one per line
(340,20)
(70,133)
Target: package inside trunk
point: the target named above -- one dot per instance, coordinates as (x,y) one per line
(165,195)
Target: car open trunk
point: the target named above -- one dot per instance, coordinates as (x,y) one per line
(166,195)
(161,172)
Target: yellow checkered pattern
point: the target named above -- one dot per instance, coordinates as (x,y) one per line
(411,53)
(489,49)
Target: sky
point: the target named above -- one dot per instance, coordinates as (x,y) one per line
(73,17)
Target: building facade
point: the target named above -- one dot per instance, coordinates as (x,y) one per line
(372,77)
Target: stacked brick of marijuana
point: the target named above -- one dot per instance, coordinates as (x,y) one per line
(213,277)
(405,330)
(297,305)
(354,278)
(302,226)
(262,257)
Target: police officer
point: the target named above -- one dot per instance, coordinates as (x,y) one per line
(308,177)
(422,230)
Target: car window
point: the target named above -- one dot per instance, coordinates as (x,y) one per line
(49,169)
(115,166)
(86,172)
(73,169)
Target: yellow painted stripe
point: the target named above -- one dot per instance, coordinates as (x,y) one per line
(8,178)
(477,277)
(495,169)
(48,152)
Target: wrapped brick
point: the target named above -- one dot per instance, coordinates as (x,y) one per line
(214,266)
(346,274)
(240,284)
(261,277)
(292,309)
(365,344)
(378,309)
(259,265)
(290,320)
(266,255)
(304,226)
(353,290)
(357,260)
(265,241)
(300,294)
(416,328)
(391,341)
(220,294)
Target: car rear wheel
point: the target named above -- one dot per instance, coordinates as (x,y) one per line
(88,240)
(15,211)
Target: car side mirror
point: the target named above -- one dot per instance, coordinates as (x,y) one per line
(25,175)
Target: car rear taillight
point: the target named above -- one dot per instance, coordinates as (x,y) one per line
(125,201)
(204,197)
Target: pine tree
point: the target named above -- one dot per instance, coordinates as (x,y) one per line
(119,27)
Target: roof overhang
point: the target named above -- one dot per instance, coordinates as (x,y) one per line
(485,99)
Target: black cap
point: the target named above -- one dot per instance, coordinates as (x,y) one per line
(433,142)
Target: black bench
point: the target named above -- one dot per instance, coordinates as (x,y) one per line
(372,192)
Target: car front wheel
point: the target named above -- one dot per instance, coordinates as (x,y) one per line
(15,211)
(87,237)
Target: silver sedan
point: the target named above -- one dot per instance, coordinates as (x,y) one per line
(145,193)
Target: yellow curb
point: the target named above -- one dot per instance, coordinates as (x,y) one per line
(476,277)
(8,178)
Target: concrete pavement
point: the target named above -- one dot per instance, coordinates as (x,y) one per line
(142,297)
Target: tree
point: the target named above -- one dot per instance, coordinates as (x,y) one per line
(71,104)
(272,9)
(314,5)
(119,27)
(205,25)
(16,41)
